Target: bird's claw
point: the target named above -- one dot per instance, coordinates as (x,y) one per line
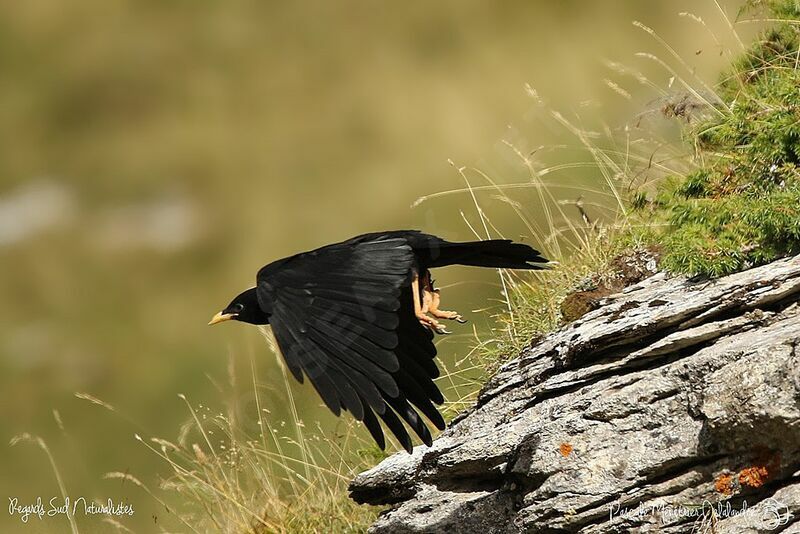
(432,324)
(449,315)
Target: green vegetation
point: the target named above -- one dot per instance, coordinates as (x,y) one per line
(741,207)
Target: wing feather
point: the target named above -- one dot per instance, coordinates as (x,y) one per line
(419,398)
(374,427)
(410,416)
(379,378)
(397,428)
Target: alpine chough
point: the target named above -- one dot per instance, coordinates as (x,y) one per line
(358,319)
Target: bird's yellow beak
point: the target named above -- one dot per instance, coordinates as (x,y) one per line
(221,318)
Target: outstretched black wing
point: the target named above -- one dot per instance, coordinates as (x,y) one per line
(343,316)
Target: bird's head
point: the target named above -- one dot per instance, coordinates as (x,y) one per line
(243,308)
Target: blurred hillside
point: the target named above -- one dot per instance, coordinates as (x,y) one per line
(153,155)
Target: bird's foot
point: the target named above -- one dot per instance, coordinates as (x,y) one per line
(427,301)
(433,308)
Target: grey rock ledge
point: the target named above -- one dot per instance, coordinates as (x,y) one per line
(666,397)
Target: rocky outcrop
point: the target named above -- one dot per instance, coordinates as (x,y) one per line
(672,408)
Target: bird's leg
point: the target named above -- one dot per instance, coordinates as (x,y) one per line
(422,301)
(433,307)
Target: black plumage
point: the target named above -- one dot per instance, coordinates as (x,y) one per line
(346,316)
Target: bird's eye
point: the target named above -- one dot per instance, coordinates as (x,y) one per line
(237,308)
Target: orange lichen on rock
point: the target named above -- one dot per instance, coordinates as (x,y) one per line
(724,484)
(565,449)
(753,476)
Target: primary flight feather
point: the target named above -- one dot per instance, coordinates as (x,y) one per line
(358,319)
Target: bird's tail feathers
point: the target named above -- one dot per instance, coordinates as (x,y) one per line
(497,253)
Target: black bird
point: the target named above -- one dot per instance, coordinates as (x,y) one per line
(358,318)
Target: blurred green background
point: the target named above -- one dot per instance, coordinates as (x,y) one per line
(154,154)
